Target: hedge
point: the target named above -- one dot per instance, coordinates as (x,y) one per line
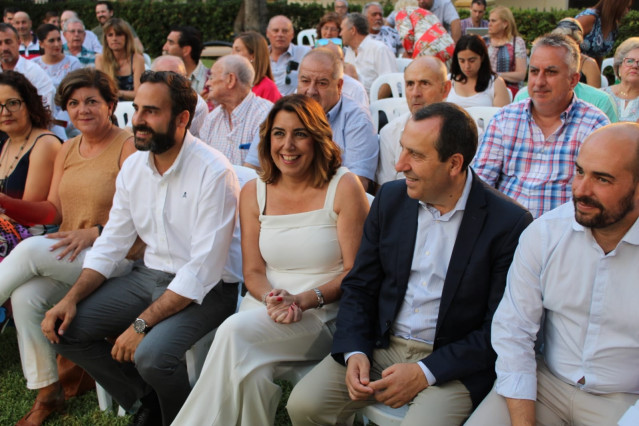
(153,20)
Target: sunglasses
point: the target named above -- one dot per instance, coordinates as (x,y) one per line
(325,41)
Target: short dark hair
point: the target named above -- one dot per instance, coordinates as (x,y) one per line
(183,97)
(458,131)
(39,115)
(8,27)
(479,2)
(327,156)
(87,77)
(359,22)
(108,4)
(43,31)
(475,44)
(8,10)
(190,36)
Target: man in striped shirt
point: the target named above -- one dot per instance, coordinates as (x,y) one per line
(529,149)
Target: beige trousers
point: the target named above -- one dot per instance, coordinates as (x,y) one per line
(321,398)
(558,403)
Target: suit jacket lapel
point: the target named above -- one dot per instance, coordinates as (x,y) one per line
(469,230)
(406,241)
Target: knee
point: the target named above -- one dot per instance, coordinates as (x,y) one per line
(155,363)
(301,406)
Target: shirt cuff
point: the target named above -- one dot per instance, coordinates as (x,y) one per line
(429,375)
(517,385)
(347,355)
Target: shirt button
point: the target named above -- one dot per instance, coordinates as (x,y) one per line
(416,310)
(428,253)
(424,283)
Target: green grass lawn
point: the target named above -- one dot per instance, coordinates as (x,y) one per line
(16,399)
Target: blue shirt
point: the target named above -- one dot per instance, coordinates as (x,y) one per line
(353,132)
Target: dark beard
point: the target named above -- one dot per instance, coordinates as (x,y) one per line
(605,217)
(159,143)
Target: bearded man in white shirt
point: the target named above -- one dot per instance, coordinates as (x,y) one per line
(576,266)
(180,198)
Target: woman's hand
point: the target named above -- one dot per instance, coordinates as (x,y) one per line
(73,241)
(282,307)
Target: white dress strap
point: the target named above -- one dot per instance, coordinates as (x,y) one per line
(261,194)
(332,188)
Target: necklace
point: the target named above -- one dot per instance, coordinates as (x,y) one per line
(13,164)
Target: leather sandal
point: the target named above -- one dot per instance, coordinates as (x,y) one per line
(47,407)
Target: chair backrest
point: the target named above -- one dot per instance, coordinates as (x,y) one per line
(396,82)
(124,113)
(482,115)
(392,107)
(608,62)
(402,63)
(306,37)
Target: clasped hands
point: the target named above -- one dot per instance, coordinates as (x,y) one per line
(400,383)
(282,307)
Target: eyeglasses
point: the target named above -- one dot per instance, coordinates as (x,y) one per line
(325,41)
(631,62)
(12,105)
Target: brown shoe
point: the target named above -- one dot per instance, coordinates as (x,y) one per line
(41,410)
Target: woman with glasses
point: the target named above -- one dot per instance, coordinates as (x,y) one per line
(40,270)
(27,154)
(329,26)
(590,72)
(626,93)
(253,47)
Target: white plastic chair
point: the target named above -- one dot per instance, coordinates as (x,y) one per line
(124,113)
(396,82)
(608,62)
(147,61)
(402,63)
(307,37)
(482,115)
(383,415)
(392,107)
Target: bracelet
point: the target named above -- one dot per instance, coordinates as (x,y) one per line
(264,297)
(320,298)
(100,228)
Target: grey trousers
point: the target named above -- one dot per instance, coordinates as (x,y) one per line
(159,359)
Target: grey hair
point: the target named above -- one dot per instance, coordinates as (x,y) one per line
(624,48)
(373,3)
(343,1)
(169,63)
(240,66)
(65,27)
(336,63)
(573,55)
(359,22)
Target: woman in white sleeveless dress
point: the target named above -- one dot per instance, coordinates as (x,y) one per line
(301,225)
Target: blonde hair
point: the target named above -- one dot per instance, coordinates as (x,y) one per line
(506,15)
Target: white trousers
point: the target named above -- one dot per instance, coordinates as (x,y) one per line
(35,280)
(236,385)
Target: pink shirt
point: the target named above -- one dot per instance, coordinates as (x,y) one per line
(267,89)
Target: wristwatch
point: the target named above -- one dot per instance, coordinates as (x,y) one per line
(140,326)
(320,298)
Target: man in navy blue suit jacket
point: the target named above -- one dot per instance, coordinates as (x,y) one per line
(415,314)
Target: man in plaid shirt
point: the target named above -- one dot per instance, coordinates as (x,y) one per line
(529,148)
